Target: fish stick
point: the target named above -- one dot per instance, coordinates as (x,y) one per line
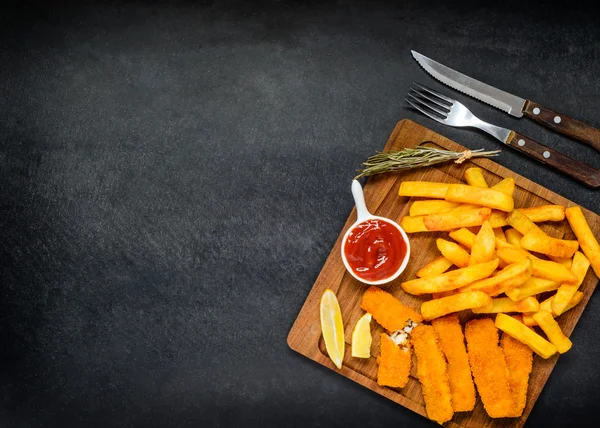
(519,359)
(432,372)
(394,363)
(452,342)
(388,311)
(489,368)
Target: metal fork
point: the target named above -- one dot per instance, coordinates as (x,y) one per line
(450,112)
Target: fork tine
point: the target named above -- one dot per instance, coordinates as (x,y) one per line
(432,99)
(437,94)
(429,105)
(425,112)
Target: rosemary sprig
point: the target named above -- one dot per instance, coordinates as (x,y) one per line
(418,157)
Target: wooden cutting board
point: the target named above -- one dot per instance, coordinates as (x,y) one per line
(381,193)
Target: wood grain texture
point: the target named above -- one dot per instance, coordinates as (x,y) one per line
(382,199)
(569,166)
(570,127)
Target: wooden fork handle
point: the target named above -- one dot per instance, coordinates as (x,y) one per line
(571,167)
(564,124)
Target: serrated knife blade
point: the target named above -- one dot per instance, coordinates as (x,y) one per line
(509,103)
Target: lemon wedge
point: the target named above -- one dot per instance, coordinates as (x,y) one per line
(361,337)
(332,327)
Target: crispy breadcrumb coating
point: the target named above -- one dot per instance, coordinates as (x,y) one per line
(388,311)
(394,363)
(452,342)
(489,368)
(519,359)
(433,374)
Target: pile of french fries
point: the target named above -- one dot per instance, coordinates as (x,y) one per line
(504,261)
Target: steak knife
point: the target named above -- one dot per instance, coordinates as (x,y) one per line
(511,104)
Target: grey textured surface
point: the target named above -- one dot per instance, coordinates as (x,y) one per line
(173,177)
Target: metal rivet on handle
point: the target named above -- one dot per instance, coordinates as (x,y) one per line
(521,142)
(536,111)
(556,119)
(546,154)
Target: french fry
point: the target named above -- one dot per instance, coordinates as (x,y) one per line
(413,224)
(541,268)
(544,213)
(479,196)
(434,268)
(484,246)
(464,237)
(459,302)
(433,206)
(521,332)
(587,240)
(546,305)
(451,220)
(566,292)
(513,237)
(553,332)
(522,223)
(496,284)
(424,189)
(444,294)
(498,219)
(566,262)
(474,177)
(499,234)
(465,207)
(505,305)
(506,186)
(531,287)
(450,280)
(453,252)
(550,246)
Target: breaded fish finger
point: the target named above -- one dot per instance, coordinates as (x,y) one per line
(388,311)
(433,374)
(489,368)
(394,363)
(519,359)
(452,342)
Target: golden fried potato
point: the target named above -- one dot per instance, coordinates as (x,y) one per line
(450,280)
(506,305)
(434,268)
(479,196)
(458,302)
(499,234)
(506,186)
(484,246)
(413,224)
(544,213)
(474,177)
(550,246)
(553,332)
(522,223)
(513,237)
(521,332)
(498,219)
(453,252)
(541,268)
(566,291)
(497,283)
(587,240)
(433,206)
(452,220)
(546,305)
(464,237)
(424,189)
(566,262)
(531,287)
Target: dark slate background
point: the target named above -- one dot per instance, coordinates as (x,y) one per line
(173,176)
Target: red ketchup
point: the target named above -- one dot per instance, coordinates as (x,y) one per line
(375,249)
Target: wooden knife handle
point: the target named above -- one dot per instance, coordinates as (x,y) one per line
(571,167)
(564,124)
